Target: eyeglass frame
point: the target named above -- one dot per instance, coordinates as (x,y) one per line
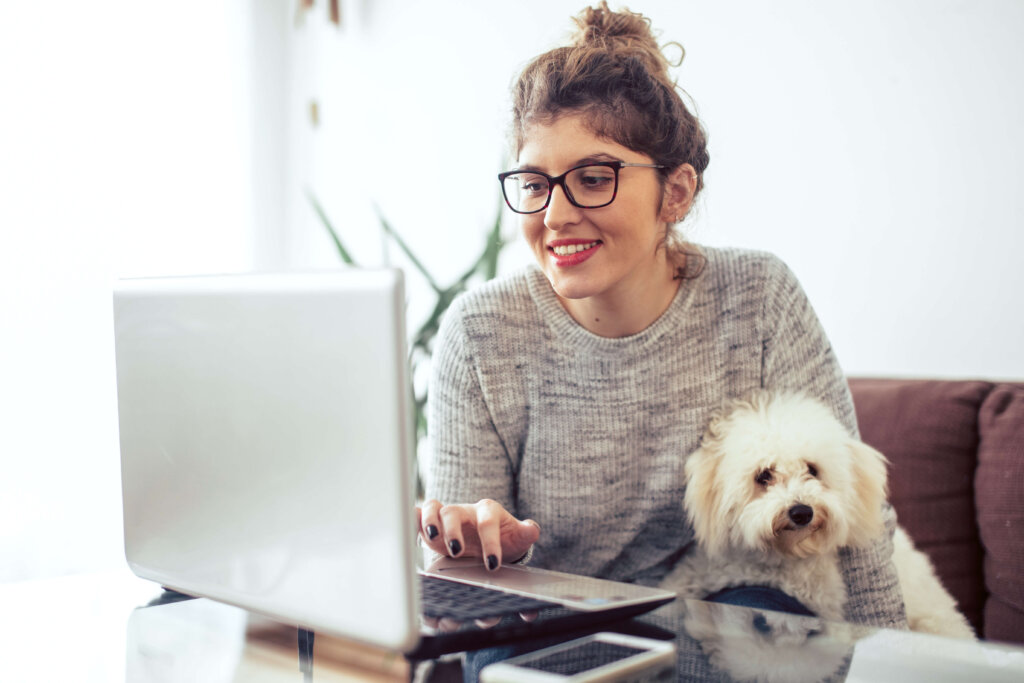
(560,181)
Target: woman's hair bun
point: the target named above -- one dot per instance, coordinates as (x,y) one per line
(623,31)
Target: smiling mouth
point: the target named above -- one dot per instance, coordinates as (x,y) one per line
(570,249)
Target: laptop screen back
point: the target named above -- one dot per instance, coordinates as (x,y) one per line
(266,445)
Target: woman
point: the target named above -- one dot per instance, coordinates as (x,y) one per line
(565,397)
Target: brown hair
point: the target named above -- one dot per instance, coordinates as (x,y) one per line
(616,76)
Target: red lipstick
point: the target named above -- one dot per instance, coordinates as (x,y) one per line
(572,252)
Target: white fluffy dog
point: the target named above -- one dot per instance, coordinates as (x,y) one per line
(777,487)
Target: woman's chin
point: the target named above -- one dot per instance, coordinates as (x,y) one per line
(572,287)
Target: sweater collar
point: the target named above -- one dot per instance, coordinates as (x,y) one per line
(582,339)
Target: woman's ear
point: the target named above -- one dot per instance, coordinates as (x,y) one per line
(680,189)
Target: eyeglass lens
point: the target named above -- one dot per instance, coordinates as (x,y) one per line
(588,187)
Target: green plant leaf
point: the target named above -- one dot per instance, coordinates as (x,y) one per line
(421,345)
(393,234)
(494,245)
(342,251)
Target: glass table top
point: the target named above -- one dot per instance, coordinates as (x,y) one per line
(116,627)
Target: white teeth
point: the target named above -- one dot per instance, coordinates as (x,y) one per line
(572,248)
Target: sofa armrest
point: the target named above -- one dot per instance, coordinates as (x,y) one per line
(999,495)
(929,432)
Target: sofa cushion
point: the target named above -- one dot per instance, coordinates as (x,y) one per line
(929,432)
(999,483)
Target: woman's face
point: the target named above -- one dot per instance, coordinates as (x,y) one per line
(615,249)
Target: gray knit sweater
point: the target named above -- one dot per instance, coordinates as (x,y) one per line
(587,435)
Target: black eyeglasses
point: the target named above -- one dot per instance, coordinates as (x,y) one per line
(588,187)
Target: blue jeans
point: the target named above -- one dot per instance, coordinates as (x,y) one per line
(759,597)
(478,659)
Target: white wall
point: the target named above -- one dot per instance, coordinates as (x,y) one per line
(874,145)
(125,149)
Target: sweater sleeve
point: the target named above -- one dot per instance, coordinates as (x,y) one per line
(467,460)
(798,356)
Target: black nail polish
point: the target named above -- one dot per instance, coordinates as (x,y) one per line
(492,562)
(431,532)
(455,547)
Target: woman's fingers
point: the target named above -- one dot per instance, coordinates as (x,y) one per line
(484,529)
(489,516)
(526,532)
(489,622)
(453,518)
(428,519)
(430,526)
(441,527)
(517,537)
(448,625)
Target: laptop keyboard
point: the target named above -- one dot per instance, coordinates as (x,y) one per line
(462,601)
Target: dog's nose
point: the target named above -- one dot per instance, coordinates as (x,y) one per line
(801,515)
(761,624)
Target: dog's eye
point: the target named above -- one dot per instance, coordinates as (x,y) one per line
(764,477)
(812,470)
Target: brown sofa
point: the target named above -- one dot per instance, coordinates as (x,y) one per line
(956,479)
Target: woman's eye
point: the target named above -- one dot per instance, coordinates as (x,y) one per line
(812,470)
(764,477)
(592,179)
(596,182)
(532,185)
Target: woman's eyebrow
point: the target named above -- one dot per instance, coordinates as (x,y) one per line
(600,157)
(596,158)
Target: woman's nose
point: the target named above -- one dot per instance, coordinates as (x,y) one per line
(560,212)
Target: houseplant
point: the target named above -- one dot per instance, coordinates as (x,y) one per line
(421,344)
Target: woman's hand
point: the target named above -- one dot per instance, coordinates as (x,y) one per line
(484,529)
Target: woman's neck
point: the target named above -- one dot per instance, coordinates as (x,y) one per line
(628,309)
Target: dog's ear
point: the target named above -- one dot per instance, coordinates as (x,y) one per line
(869,489)
(701,499)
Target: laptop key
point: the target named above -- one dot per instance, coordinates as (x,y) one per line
(463,601)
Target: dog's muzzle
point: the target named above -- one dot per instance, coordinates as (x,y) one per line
(801,515)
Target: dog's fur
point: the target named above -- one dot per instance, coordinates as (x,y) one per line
(770,647)
(776,488)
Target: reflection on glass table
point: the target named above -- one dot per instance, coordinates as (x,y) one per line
(718,642)
(205,640)
(109,628)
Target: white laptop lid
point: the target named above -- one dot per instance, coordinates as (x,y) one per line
(266,445)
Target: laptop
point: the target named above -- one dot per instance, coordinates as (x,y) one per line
(267,461)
